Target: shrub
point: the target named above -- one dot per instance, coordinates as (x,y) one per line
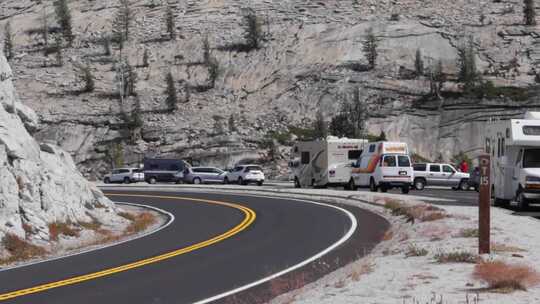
(63,18)
(58,228)
(85,76)
(500,275)
(414,251)
(529,12)
(213,71)
(252,30)
(141,222)
(469,233)
(20,249)
(8,41)
(460,256)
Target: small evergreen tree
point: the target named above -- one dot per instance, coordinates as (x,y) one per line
(252,30)
(85,76)
(207,51)
(232,124)
(213,71)
(351,120)
(126,78)
(468,74)
(320,129)
(106,43)
(529,12)
(170,23)
(59,49)
(436,79)
(419,63)
(63,18)
(370,48)
(382,136)
(8,42)
(146,58)
(170,91)
(123,21)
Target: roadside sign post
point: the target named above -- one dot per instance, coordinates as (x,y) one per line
(484,202)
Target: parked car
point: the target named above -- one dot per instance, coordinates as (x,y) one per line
(124,175)
(474,180)
(200,175)
(164,170)
(434,174)
(245,174)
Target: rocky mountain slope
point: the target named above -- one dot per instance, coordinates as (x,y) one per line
(39,183)
(306,62)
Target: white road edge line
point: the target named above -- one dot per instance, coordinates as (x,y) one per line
(166,213)
(346,237)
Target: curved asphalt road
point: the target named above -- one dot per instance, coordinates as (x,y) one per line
(284,234)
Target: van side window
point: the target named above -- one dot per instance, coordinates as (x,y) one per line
(389,161)
(304,158)
(371,148)
(434,168)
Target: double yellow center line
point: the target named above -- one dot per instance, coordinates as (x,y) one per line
(249,218)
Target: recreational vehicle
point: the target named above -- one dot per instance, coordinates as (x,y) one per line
(323,163)
(514,146)
(383,165)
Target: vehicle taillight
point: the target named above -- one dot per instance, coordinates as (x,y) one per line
(332,172)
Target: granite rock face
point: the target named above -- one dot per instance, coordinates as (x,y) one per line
(39,183)
(310,58)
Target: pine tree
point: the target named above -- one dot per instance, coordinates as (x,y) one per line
(106,43)
(436,79)
(8,42)
(320,129)
(146,58)
(85,76)
(170,91)
(170,22)
(58,47)
(126,78)
(63,17)
(252,30)
(529,12)
(370,48)
(232,124)
(123,21)
(468,74)
(207,52)
(351,120)
(382,136)
(419,63)
(213,71)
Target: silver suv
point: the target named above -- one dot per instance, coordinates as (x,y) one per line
(199,175)
(245,174)
(439,175)
(124,175)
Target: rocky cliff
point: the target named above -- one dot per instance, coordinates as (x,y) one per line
(39,183)
(310,59)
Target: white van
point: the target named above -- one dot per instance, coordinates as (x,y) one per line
(514,146)
(384,165)
(323,163)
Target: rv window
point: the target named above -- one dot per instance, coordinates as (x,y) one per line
(419,167)
(531,130)
(403,161)
(371,148)
(389,161)
(304,158)
(434,168)
(354,154)
(531,158)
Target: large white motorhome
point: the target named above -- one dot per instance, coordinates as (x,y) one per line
(384,165)
(323,163)
(514,146)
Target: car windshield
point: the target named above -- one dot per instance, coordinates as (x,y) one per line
(531,158)
(253,168)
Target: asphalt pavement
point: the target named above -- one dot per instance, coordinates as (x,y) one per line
(284,233)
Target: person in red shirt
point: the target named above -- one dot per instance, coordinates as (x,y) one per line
(464,166)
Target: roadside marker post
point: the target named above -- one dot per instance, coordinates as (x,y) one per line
(484,205)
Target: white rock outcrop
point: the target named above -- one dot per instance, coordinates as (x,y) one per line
(39,183)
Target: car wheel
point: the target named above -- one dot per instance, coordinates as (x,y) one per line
(351,186)
(522,201)
(107,180)
(259,183)
(464,185)
(241,181)
(127,180)
(297,183)
(152,180)
(384,189)
(226,180)
(196,181)
(419,184)
(372,186)
(405,189)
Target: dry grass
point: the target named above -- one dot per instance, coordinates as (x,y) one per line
(414,251)
(468,233)
(388,235)
(365,268)
(281,285)
(501,248)
(422,213)
(128,216)
(506,277)
(435,232)
(141,222)
(459,256)
(62,228)
(20,249)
